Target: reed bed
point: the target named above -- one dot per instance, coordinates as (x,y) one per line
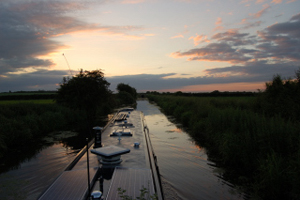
(260,152)
(21,124)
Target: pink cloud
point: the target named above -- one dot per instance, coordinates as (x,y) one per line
(261,12)
(218,28)
(132,1)
(276,1)
(249,24)
(181,35)
(219,21)
(259,1)
(198,39)
(244,21)
(177,36)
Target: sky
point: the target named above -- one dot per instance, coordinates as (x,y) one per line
(152,45)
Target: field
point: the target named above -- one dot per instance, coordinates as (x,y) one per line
(25,93)
(259,150)
(38,101)
(8,96)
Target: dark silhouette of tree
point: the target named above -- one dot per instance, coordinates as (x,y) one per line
(178,93)
(126,93)
(282,96)
(87,91)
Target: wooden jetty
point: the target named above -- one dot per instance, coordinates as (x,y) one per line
(120,157)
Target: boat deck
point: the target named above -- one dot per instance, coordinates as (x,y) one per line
(70,185)
(132,180)
(137,170)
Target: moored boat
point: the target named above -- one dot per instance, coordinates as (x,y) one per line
(121,160)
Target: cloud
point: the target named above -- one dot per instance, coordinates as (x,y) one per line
(275,43)
(281,41)
(259,1)
(261,12)
(221,52)
(132,1)
(276,1)
(28,29)
(21,63)
(219,21)
(274,49)
(259,69)
(231,75)
(181,35)
(233,37)
(217,76)
(177,36)
(247,25)
(199,39)
(144,82)
(38,80)
(218,24)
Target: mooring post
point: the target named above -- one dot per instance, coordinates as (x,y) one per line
(98,132)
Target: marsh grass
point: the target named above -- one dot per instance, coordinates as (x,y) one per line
(22,124)
(259,150)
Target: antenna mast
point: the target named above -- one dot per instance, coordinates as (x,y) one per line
(67,63)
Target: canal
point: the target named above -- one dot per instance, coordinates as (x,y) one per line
(30,176)
(184,167)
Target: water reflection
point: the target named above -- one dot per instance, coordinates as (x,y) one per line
(186,171)
(71,141)
(31,170)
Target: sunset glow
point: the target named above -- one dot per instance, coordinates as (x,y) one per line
(172,45)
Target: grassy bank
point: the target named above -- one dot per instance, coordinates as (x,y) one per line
(23,123)
(259,151)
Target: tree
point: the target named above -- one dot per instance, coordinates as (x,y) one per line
(86,90)
(127,94)
(282,96)
(122,87)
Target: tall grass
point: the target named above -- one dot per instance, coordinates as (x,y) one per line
(23,123)
(262,150)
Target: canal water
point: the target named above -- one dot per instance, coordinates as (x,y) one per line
(186,172)
(28,177)
(184,167)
